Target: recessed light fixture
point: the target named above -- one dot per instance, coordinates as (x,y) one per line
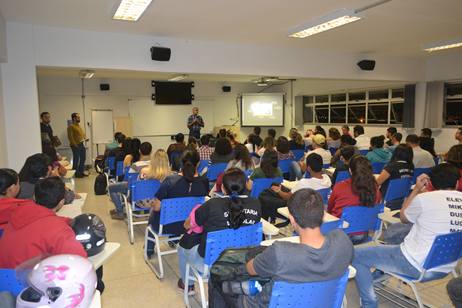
(327,22)
(131,10)
(444,45)
(178,77)
(86,74)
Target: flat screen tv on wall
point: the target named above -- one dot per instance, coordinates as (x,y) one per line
(172,93)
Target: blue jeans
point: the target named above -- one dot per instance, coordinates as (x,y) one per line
(78,158)
(388,258)
(295,171)
(115,190)
(192,257)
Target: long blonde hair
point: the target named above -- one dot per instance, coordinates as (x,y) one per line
(159,168)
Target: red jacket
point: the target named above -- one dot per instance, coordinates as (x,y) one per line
(343,196)
(34,231)
(7,205)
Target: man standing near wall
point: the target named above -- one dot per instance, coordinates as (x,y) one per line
(76,137)
(195,123)
(46,131)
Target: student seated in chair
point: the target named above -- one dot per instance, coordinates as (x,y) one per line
(35,230)
(315,258)
(232,211)
(431,213)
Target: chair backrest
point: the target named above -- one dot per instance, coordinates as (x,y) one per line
(342,176)
(175,160)
(363,152)
(284,165)
(362,218)
(110,162)
(120,168)
(9,282)
(326,227)
(332,151)
(143,189)
(398,189)
(298,154)
(202,164)
(326,294)
(177,209)
(214,170)
(326,166)
(419,171)
(260,185)
(325,193)
(377,167)
(446,248)
(217,241)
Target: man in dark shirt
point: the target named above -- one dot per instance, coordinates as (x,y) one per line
(45,128)
(195,123)
(315,258)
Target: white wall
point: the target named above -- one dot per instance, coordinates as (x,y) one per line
(3,52)
(3,151)
(446,65)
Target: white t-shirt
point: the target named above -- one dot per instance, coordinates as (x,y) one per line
(325,154)
(422,158)
(313,183)
(432,213)
(363,142)
(249,147)
(136,167)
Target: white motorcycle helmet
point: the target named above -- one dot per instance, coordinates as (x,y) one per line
(59,281)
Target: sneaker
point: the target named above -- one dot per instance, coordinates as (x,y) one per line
(379,276)
(112,212)
(173,244)
(118,216)
(191,290)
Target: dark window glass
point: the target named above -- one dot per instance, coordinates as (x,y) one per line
(396,113)
(358,96)
(338,113)
(356,113)
(397,93)
(377,113)
(307,113)
(322,114)
(338,97)
(453,112)
(322,98)
(308,99)
(380,94)
(453,89)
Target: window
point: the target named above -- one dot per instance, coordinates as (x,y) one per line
(453,104)
(357,113)
(381,106)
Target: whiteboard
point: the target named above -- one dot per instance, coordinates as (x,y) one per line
(102,126)
(149,119)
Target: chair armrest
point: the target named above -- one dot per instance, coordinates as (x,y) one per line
(269,229)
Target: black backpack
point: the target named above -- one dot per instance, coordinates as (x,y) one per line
(100,184)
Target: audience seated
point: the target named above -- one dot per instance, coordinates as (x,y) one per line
(283,148)
(346,153)
(400,166)
(315,258)
(35,230)
(175,150)
(346,130)
(232,139)
(132,152)
(378,154)
(58,168)
(267,144)
(390,132)
(144,158)
(297,143)
(395,141)
(362,141)
(205,150)
(453,157)
(272,133)
(268,167)
(192,144)
(345,140)
(117,142)
(223,151)
(232,211)
(426,141)
(256,137)
(242,159)
(333,141)
(431,214)
(421,158)
(252,144)
(458,135)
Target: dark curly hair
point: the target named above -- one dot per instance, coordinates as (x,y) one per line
(363,183)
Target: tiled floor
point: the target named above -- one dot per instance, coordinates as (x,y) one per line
(130,282)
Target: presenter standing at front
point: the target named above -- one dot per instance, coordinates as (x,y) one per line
(195,123)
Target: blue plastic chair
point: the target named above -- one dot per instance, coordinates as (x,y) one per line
(171,210)
(327,227)
(284,165)
(9,282)
(175,160)
(120,170)
(202,165)
(397,190)
(377,167)
(342,176)
(326,294)
(332,151)
(260,185)
(298,154)
(446,249)
(363,152)
(214,170)
(363,219)
(419,171)
(248,172)
(326,166)
(217,242)
(110,169)
(325,193)
(138,190)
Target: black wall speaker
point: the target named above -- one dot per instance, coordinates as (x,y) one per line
(160,53)
(366,65)
(226,89)
(104,87)
(409,106)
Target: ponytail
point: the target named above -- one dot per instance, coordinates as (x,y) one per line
(234,181)
(8,177)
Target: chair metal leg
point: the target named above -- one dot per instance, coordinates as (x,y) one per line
(344,302)
(417,296)
(186,283)
(130,226)
(200,282)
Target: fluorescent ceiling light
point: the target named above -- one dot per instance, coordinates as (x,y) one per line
(327,22)
(178,77)
(444,45)
(131,10)
(86,74)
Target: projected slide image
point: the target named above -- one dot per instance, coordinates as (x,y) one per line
(262,109)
